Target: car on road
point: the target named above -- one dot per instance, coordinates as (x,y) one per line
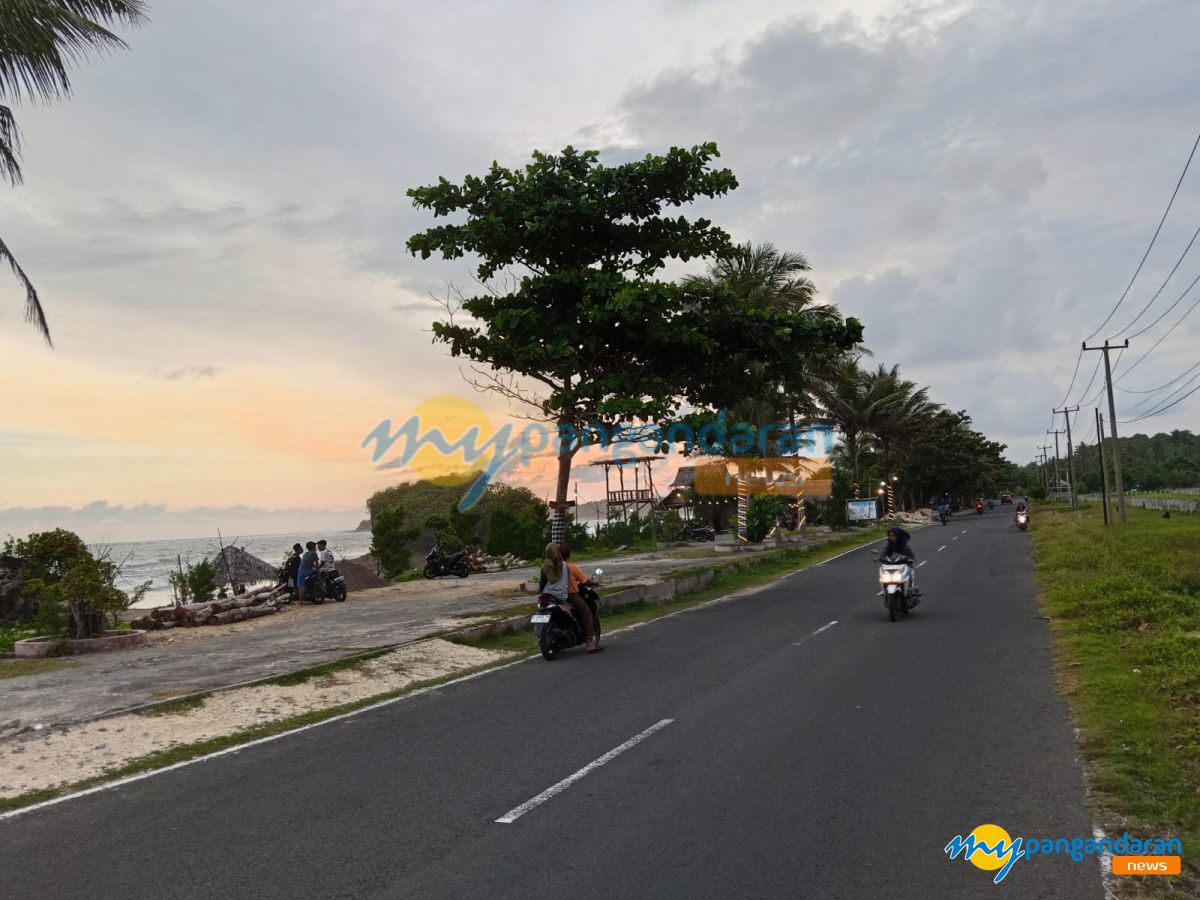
(1005,498)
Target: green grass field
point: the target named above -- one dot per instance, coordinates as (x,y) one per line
(1125,609)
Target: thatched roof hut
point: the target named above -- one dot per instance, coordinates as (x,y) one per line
(234,564)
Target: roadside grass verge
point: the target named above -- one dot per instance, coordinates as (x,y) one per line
(731,577)
(1125,609)
(15,668)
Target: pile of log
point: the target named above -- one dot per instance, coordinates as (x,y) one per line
(481,562)
(262,601)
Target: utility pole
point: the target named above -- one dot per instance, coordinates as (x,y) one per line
(1070,452)
(1057,476)
(1112,417)
(1103,463)
(1045,466)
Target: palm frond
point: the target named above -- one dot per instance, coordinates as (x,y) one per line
(34,314)
(41,39)
(10,147)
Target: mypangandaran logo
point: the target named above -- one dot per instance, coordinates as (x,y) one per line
(449,435)
(989,847)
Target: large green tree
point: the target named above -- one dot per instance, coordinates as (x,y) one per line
(582,314)
(39,41)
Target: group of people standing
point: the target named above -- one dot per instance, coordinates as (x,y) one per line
(313,559)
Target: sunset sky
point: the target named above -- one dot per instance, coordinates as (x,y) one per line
(216,220)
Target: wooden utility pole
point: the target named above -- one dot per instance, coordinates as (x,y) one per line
(1112,417)
(1103,463)
(1070,452)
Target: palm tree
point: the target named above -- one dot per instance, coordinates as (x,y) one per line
(856,403)
(903,419)
(39,40)
(771,278)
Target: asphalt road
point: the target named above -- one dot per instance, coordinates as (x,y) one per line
(801,758)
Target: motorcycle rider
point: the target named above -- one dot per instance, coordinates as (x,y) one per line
(897,543)
(1020,508)
(554,582)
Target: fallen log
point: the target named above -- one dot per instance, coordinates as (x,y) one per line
(226,618)
(257,612)
(163,612)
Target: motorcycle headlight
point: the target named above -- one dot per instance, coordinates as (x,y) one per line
(891,578)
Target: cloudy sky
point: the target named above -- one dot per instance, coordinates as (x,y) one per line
(216,220)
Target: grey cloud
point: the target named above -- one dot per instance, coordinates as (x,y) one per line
(192,373)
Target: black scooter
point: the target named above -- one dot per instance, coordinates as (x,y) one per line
(695,531)
(438,563)
(555,624)
(329,585)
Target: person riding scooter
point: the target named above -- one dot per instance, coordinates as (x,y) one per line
(898,545)
(554,582)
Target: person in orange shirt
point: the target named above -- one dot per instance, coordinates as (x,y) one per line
(575,578)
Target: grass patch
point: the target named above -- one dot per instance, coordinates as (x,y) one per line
(736,575)
(182,705)
(1125,608)
(15,668)
(201,748)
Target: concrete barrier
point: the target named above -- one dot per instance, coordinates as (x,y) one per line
(37,647)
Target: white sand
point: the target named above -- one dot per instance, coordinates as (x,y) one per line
(64,755)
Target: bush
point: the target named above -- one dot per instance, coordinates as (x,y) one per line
(59,569)
(390,539)
(50,620)
(762,514)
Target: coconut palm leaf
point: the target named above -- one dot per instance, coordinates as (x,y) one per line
(34,314)
(41,39)
(10,147)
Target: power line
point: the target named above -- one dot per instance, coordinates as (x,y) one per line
(1092,381)
(1074,375)
(1161,288)
(1161,386)
(1164,337)
(1169,308)
(1150,246)
(1155,412)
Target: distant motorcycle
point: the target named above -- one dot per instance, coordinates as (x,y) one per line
(1023,520)
(555,624)
(694,531)
(438,563)
(979,509)
(943,516)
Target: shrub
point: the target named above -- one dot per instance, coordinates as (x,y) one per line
(390,539)
(762,513)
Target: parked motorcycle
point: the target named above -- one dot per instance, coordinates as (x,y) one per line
(896,579)
(555,624)
(694,531)
(438,563)
(1023,520)
(329,585)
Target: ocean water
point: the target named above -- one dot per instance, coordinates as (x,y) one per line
(154,560)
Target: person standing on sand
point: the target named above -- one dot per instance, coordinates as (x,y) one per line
(291,568)
(308,565)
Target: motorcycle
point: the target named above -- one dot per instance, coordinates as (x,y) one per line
(438,563)
(979,509)
(991,504)
(329,585)
(694,531)
(1023,520)
(896,578)
(555,624)
(943,516)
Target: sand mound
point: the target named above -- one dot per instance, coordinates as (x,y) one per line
(360,573)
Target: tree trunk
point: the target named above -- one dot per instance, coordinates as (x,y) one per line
(558,521)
